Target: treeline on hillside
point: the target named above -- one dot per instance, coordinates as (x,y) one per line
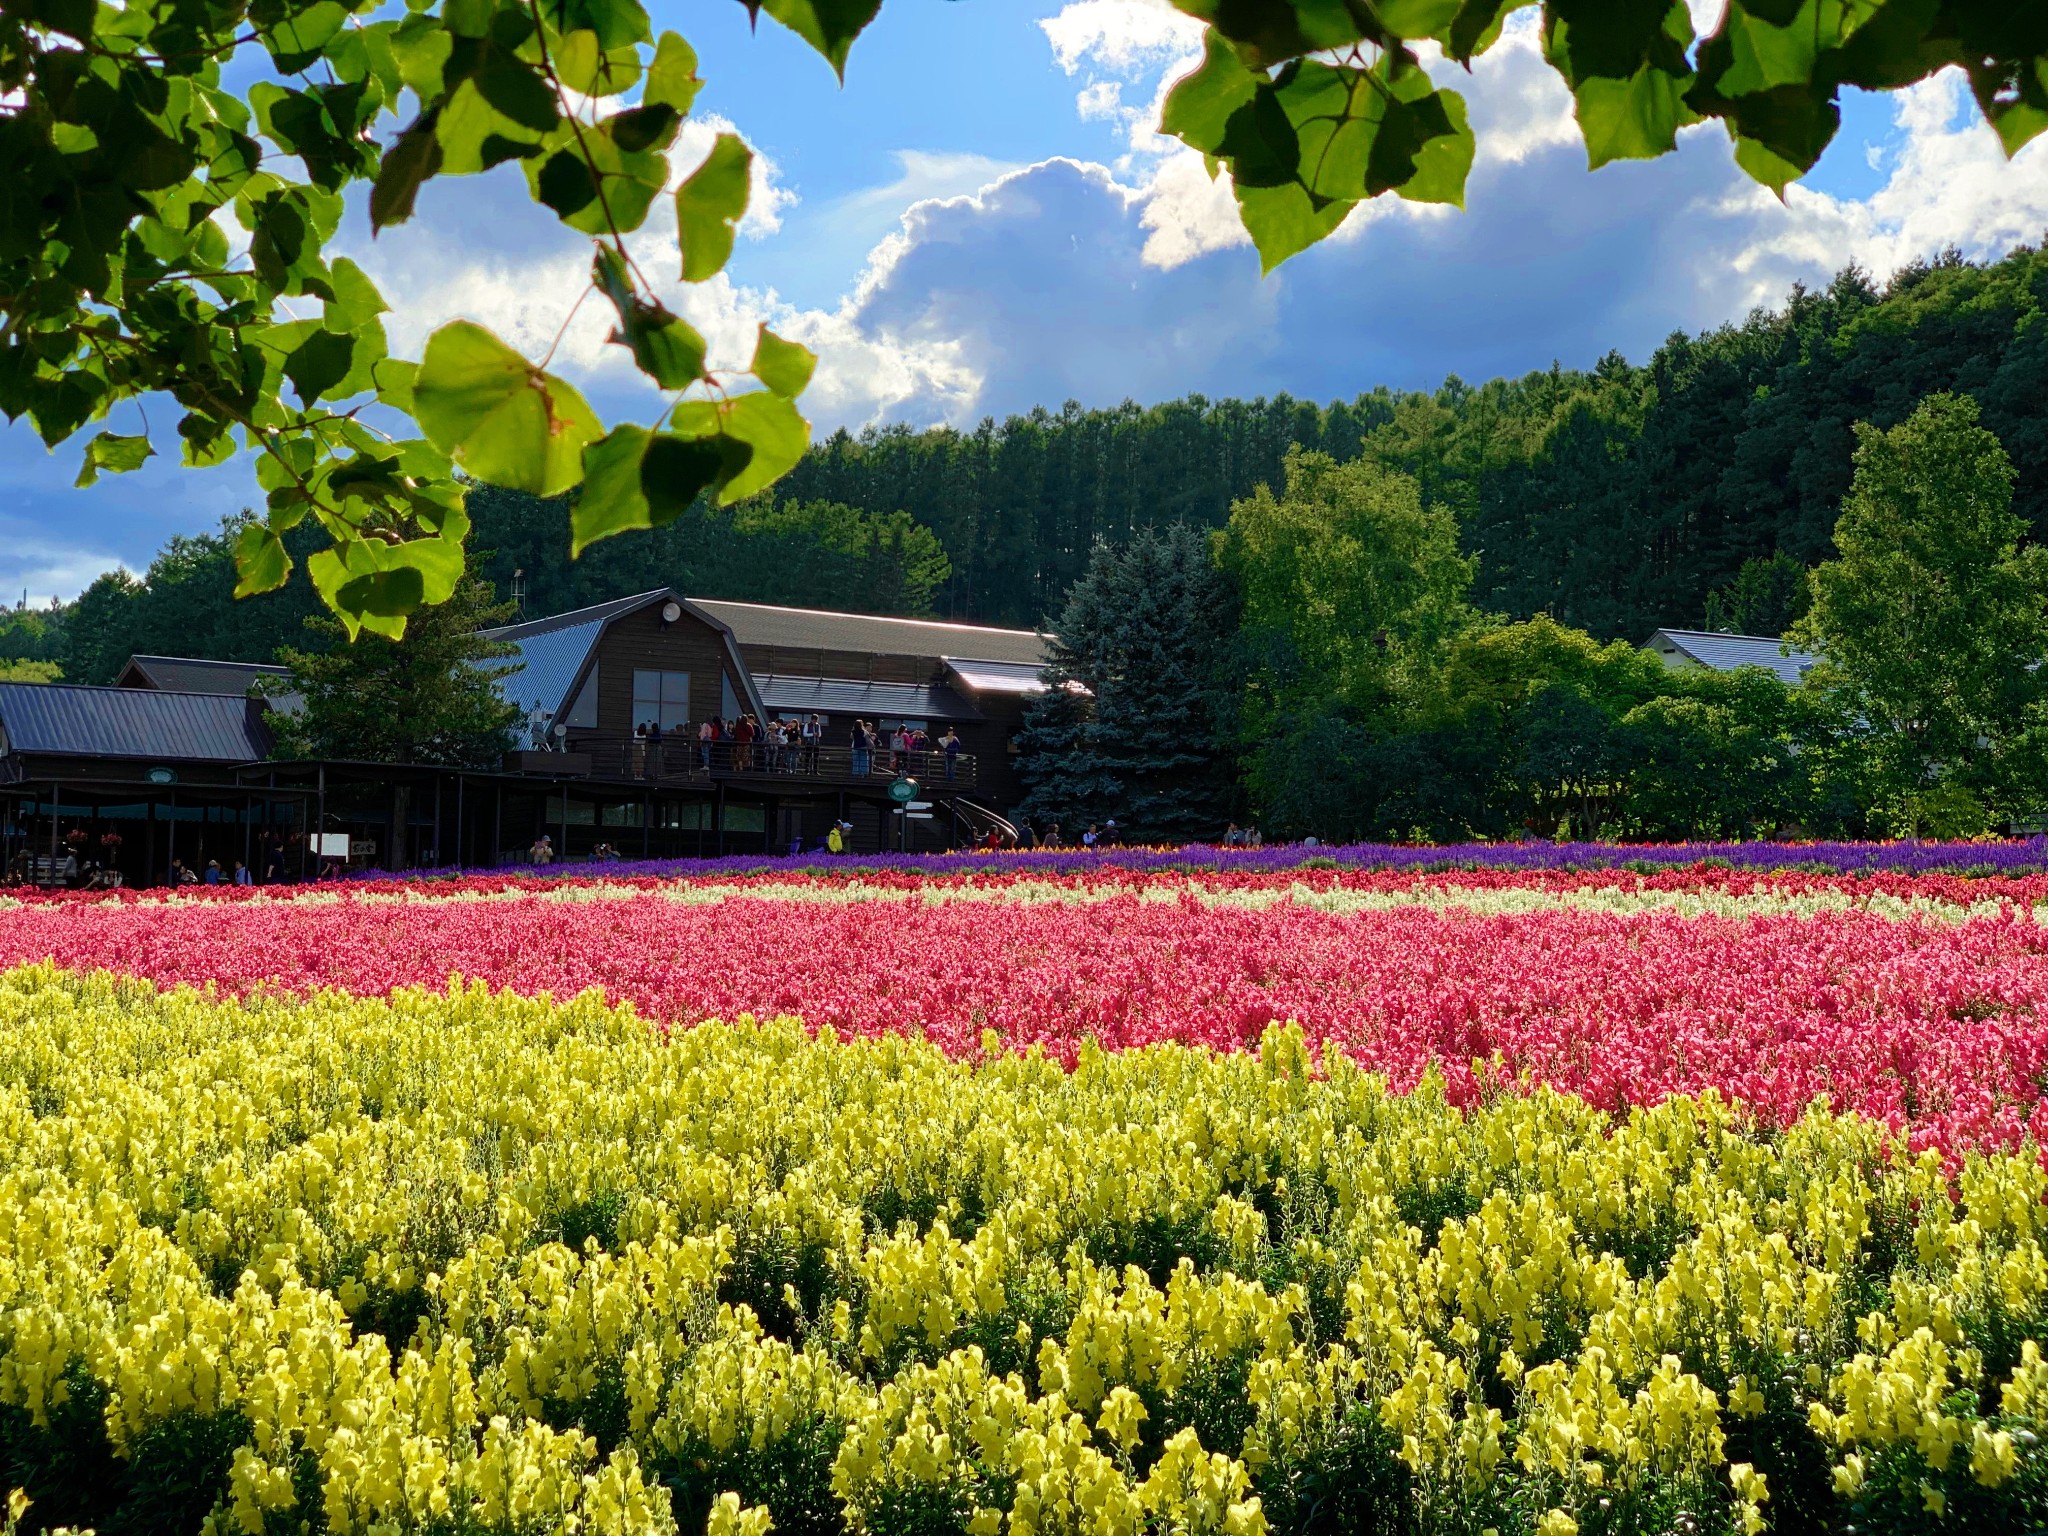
(1321,663)
(808,554)
(1616,500)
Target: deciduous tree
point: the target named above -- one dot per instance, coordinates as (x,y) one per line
(1932,620)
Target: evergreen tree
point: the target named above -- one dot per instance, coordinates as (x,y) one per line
(1146,631)
(1767,597)
(430,697)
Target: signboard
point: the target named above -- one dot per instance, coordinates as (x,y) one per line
(362,847)
(330,845)
(902,790)
(162,776)
(918,805)
(917,815)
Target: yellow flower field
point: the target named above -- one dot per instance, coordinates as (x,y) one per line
(468,1262)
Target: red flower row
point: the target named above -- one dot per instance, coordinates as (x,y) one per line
(1930,1026)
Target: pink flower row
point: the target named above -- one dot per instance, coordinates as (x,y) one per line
(1721,879)
(1932,1027)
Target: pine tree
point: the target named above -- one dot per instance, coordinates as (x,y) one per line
(1146,631)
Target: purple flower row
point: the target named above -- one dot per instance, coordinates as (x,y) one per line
(2011,857)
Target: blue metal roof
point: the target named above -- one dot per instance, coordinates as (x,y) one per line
(547,664)
(1724,653)
(60,719)
(996,676)
(868,701)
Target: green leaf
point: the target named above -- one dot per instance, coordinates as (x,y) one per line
(1308,145)
(2014,96)
(771,427)
(830,26)
(319,363)
(616,199)
(577,58)
(332,569)
(355,301)
(1443,161)
(1627,65)
(639,129)
(1477,27)
(672,78)
(633,478)
(296,41)
(497,415)
(1283,222)
(1198,110)
(392,378)
(784,366)
(113,453)
(667,347)
(261,564)
(709,206)
(439,563)
(1269,32)
(1417,18)
(386,595)
(611,500)
(420,45)
(407,166)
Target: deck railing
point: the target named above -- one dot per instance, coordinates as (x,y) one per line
(677,760)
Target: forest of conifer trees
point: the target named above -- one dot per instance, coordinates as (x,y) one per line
(1616,499)
(1693,488)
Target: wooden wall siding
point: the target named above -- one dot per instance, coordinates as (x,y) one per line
(641,642)
(859,666)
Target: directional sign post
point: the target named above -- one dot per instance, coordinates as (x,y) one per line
(903,790)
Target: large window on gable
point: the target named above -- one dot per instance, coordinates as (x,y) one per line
(661,698)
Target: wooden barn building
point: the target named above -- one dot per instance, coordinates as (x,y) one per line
(175,761)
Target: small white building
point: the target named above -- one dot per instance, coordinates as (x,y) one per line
(1683,649)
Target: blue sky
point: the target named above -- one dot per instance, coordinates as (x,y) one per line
(981,220)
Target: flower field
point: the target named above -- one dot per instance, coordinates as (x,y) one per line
(1203,1201)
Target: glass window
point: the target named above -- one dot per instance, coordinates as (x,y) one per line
(583,713)
(728,701)
(661,698)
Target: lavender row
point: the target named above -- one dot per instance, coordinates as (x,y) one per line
(2011,857)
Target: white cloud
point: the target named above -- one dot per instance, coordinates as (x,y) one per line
(1121,36)
(990,287)
(43,569)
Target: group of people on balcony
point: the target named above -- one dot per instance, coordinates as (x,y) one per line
(786,744)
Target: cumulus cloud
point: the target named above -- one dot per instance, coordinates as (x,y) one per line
(1000,287)
(1121,36)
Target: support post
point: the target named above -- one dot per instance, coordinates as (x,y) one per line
(319,823)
